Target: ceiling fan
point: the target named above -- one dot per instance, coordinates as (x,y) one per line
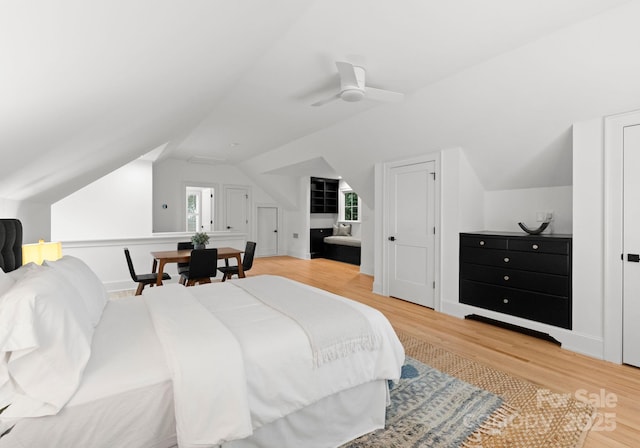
(353,88)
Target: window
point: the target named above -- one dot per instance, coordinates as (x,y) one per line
(199,209)
(349,206)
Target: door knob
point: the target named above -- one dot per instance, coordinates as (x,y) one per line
(392,238)
(275,231)
(228,227)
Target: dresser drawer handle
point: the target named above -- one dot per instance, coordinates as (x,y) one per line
(482,243)
(505,300)
(506,278)
(506,259)
(535,247)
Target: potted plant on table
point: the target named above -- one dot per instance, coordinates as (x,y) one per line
(200,240)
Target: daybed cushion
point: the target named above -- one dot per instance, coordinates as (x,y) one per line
(91,289)
(343,240)
(45,343)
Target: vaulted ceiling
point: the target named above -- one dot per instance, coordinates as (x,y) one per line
(89,85)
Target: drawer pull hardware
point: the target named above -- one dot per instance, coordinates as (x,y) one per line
(505,300)
(535,247)
(482,243)
(506,259)
(506,278)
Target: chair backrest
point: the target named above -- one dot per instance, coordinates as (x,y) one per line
(132,271)
(182,245)
(204,263)
(249,252)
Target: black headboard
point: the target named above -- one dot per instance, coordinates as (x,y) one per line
(10,244)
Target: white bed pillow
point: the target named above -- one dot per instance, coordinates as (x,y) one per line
(45,343)
(17,274)
(91,289)
(6,282)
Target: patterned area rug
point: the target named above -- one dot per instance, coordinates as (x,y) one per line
(430,409)
(518,414)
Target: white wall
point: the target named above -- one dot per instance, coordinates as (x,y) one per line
(35,218)
(169,179)
(299,222)
(505,208)
(461,210)
(588,232)
(116,205)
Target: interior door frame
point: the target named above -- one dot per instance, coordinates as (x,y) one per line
(385,223)
(613,230)
(279,216)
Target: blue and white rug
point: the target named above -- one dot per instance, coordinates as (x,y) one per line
(430,409)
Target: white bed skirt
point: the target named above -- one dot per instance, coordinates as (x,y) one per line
(330,422)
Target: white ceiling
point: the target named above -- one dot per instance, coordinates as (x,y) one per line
(88,85)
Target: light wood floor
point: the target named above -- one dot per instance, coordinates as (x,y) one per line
(533,359)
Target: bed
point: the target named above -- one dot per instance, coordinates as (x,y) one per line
(256,362)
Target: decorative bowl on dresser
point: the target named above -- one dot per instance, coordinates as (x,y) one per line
(528,276)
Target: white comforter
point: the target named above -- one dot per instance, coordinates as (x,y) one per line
(244,364)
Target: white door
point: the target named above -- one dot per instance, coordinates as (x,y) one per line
(631,247)
(237,209)
(411,238)
(267,243)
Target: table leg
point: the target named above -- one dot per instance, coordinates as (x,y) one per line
(160,271)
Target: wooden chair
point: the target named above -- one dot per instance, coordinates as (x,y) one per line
(142,279)
(183,267)
(247,262)
(203,266)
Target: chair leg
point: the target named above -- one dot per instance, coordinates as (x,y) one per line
(224,277)
(140,288)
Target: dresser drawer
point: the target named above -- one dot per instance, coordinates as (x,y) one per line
(544,308)
(483,242)
(534,281)
(540,246)
(546,263)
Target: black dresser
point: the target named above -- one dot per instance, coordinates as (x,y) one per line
(522,275)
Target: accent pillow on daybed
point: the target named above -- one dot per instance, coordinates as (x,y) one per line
(342,229)
(45,343)
(91,289)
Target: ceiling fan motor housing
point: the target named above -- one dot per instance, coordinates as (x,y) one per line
(350,91)
(352,95)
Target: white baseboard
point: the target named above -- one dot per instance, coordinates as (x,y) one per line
(570,340)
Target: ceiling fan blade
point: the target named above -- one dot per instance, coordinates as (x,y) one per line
(326,100)
(347,74)
(382,95)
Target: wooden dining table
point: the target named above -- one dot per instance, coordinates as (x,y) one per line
(161,258)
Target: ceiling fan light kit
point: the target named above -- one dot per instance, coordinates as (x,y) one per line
(353,88)
(352,95)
